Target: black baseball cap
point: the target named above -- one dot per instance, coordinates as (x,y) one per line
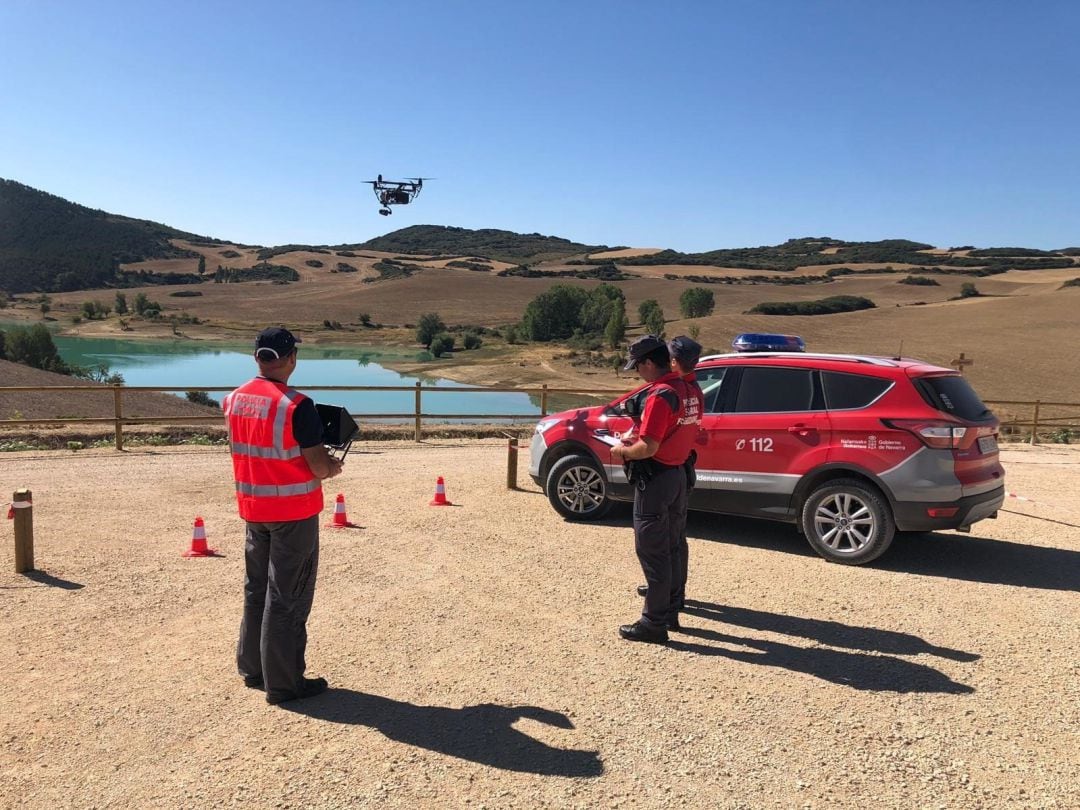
(685,350)
(275,342)
(641,347)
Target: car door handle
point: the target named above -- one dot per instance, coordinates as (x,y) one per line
(801,430)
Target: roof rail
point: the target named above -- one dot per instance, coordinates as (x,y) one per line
(851,358)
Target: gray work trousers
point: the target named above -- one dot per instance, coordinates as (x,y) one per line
(282,560)
(659,523)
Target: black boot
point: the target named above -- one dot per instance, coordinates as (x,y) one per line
(639,631)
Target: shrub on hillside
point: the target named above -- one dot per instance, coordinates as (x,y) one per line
(442,343)
(429,326)
(823,306)
(201,398)
(968,290)
(919,281)
(696,302)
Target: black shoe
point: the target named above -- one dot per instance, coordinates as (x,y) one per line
(308,688)
(253,681)
(643,632)
(642,590)
(673,622)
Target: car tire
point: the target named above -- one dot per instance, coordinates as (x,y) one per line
(576,487)
(847,521)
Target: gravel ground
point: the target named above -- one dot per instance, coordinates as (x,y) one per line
(474,661)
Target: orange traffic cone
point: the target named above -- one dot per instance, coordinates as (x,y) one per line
(341,520)
(198,542)
(440,494)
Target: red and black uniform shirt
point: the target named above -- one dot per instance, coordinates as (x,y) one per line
(672,417)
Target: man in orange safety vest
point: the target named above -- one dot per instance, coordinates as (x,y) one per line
(279,462)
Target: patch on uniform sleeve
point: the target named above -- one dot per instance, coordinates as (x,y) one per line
(670,398)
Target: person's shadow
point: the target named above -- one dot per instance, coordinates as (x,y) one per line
(880,673)
(482,733)
(835,634)
(877,673)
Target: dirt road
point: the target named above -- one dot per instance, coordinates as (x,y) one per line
(474,661)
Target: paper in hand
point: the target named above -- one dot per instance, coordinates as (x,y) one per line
(607,438)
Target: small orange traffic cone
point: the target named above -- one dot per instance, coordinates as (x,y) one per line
(198,542)
(440,494)
(341,520)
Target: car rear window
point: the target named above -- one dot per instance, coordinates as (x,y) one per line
(771,390)
(954,396)
(845,392)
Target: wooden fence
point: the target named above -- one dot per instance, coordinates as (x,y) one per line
(1021,420)
(417,415)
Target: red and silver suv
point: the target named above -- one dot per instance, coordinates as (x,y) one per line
(851,449)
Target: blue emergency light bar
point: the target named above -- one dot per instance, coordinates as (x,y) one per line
(752,342)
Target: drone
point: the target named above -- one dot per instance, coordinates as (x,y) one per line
(396,192)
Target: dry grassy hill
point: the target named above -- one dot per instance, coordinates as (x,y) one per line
(1021,333)
(81,404)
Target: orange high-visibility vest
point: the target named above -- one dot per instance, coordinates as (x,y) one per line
(273,480)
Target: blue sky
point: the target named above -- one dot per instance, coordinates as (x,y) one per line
(690,125)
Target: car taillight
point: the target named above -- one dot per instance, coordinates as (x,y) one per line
(946,435)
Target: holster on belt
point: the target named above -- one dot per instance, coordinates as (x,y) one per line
(691,473)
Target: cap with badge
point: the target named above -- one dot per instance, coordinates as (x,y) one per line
(685,350)
(641,347)
(275,342)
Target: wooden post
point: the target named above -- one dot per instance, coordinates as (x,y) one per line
(24,530)
(417,434)
(543,399)
(511,463)
(961,361)
(1035,424)
(118,411)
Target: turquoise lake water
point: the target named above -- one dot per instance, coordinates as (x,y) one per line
(182,363)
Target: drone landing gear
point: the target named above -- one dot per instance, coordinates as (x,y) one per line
(385,212)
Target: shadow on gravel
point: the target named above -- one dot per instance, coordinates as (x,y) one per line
(955,556)
(983,559)
(43,578)
(877,673)
(834,634)
(482,733)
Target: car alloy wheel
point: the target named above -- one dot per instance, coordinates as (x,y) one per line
(577,489)
(848,521)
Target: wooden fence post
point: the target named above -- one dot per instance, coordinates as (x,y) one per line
(1035,424)
(543,400)
(511,462)
(417,433)
(23,515)
(118,411)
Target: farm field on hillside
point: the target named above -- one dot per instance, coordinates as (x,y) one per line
(1019,331)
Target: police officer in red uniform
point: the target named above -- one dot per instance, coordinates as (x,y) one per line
(685,352)
(279,461)
(656,464)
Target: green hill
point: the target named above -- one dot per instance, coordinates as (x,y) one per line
(48,244)
(489,243)
(808,251)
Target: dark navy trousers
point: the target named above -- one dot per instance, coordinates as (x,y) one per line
(282,560)
(660,543)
